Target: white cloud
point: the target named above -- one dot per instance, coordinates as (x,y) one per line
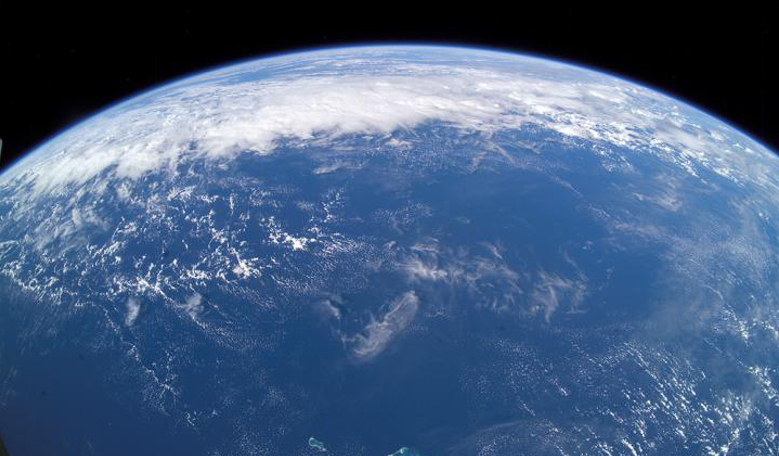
(551,290)
(379,333)
(212,118)
(417,269)
(488,278)
(193,306)
(278,236)
(133,309)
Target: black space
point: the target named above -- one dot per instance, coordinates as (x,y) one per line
(63,64)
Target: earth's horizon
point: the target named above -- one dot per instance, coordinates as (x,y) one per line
(392,250)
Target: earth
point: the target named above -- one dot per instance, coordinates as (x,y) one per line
(408,250)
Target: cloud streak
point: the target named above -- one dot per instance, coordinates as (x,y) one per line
(377,335)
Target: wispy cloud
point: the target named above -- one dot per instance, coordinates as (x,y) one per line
(551,290)
(418,269)
(483,273)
